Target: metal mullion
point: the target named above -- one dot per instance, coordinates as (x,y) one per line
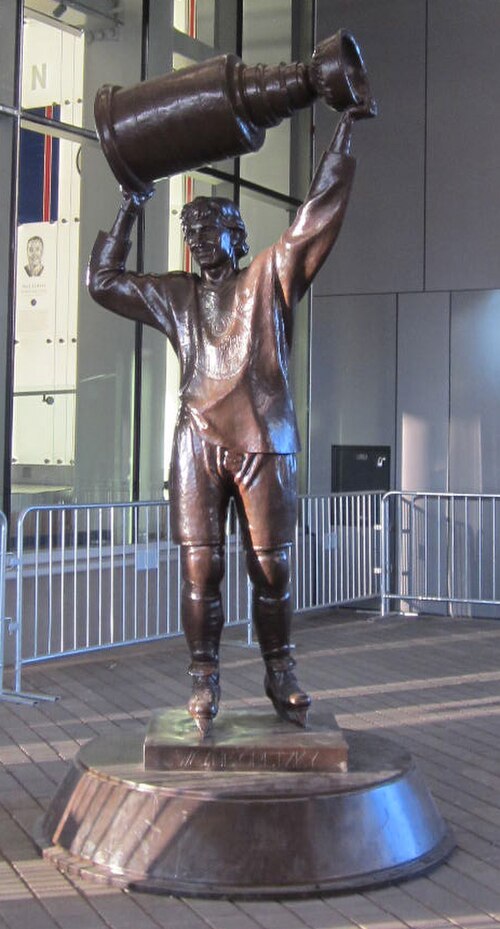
(55,127)
(139,328)
(12,275)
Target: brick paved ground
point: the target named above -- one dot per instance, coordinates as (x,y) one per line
(433,684)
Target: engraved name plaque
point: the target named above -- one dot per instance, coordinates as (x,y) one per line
(244,741)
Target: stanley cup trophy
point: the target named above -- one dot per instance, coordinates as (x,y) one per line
(188,808)
(218,109)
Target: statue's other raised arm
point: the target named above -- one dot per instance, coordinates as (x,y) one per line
(140,297)
(303,248)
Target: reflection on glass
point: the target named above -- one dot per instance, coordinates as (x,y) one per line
(74,48)
(196,18)
(73,363)
(184,16)
(52,82)
(180,61)
(46,314)
(100,15)
(264,218)
(267,38)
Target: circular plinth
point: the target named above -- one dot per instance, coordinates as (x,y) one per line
(244,834)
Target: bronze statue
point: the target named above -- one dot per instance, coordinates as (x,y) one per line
(236,434)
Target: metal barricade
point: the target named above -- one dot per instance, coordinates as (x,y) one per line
(441,549)
(103,575)
(96,576)
(337,550)
(7,624)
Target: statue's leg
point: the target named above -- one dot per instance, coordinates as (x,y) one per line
(199,496)
(267,504)
(202,620)
(269,572)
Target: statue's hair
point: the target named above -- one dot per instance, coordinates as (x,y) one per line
(226,212)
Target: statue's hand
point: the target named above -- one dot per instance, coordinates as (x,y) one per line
(130,207)
(367,109)
(341,142)
(133,200)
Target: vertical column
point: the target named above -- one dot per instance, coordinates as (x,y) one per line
(10,22)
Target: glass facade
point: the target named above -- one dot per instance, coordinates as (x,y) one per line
(90,397)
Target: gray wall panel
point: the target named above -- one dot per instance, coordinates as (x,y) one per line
(463,189)
(381,244)
(423,391)
(9,20)
(352,377)
(475,392)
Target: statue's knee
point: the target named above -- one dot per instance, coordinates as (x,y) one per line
(202,568)
(270,571)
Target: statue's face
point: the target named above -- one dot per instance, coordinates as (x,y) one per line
(210,243)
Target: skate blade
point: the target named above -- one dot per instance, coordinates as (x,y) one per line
(299,716)
(296,715)
(203,725)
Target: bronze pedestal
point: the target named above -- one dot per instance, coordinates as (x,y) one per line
(270,830)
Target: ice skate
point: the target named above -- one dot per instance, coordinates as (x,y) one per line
(281,686)
(204,702)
